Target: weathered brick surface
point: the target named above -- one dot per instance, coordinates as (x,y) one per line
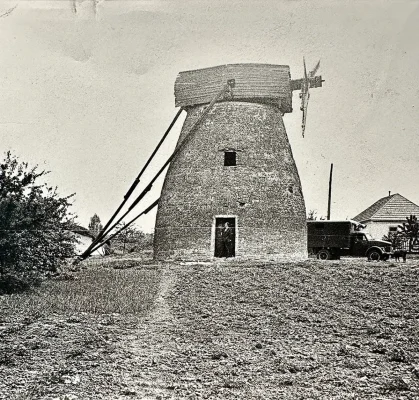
(263,191)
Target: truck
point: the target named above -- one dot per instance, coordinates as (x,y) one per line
(329,240)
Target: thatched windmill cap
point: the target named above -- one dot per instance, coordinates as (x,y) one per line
(266,83)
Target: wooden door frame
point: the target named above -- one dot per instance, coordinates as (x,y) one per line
(236,232)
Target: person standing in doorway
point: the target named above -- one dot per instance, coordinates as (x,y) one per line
(219,244)
(228,238)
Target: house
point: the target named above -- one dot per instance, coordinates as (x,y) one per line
(386,214)
(84,240)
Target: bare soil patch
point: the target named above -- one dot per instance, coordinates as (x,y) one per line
(62,340)
(318,330)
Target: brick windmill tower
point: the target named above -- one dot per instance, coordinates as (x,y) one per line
(233,188)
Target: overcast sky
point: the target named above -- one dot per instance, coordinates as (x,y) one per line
(87,89)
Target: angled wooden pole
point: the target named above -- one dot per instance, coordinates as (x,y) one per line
(176,151)
(107,229)
(330,192)
(104,230)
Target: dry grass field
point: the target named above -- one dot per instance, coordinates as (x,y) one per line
(227,330)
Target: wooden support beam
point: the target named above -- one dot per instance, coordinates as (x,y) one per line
(315,82)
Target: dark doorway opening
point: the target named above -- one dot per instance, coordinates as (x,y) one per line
(225,237)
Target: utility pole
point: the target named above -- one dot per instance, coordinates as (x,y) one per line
(330,192)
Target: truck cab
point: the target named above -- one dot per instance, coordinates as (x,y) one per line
(332,239)
(363,244)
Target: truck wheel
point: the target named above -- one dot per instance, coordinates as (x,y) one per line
(324,255)
(374,255)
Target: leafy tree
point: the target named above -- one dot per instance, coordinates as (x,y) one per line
(130,239)
(312,216)
(395,238)
(94,225)
(34,226)
(411,229)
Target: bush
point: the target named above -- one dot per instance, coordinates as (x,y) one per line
(35,226)
(12,283)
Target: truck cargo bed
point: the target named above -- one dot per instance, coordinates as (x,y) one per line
(329,234)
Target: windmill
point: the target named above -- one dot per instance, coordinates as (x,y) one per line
(232,166)
(237,167)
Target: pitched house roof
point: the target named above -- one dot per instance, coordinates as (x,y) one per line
(389,208)
(81,231)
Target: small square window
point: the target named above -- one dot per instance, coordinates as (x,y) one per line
(393,229)
(229,158)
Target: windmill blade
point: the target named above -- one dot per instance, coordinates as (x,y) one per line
(306,81)
(314,70)
(304,106)
(304,95)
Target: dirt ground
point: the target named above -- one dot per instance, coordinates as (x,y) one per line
(230,330)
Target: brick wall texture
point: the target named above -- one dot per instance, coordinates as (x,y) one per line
(263,191)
